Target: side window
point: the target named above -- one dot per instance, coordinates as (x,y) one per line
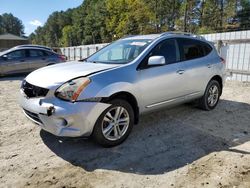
(18,54)
(46,53)
(207,49)
(35,53)
(167,48)
(190,49)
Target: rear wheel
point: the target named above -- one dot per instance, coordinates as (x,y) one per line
(211,96)
(114,124)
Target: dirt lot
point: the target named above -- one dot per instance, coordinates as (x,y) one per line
(181,147)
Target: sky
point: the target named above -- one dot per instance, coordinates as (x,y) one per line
(34,13)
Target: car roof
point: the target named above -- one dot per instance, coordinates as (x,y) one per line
(32,46)
(169,34)
(151,36)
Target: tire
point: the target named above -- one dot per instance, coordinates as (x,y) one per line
(107,131)
(211,96)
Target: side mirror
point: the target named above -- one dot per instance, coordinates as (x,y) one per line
(157,60)
(5,57)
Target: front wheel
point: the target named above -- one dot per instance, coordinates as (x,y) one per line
(211,96)
(114,124)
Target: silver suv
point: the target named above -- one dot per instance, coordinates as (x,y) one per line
(103,96)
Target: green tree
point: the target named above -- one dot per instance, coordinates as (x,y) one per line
(38,37)
(51,33)
(1,25)
(11,24)
(94,23)
(244,14)
(165,13)
(126,17)
(206,16)
(98,21)
(67,36)
(189,18)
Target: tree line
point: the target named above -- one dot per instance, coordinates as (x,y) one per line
(100,21)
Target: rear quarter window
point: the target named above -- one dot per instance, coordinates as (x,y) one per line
(47,53)
(207,48)
(193,49)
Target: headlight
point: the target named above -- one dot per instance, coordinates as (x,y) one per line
(71,90)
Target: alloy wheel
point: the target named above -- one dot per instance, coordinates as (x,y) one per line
(213,95)
(115,123)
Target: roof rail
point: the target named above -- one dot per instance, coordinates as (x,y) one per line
(183,33)
(127,36)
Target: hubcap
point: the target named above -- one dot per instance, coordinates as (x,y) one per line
(213,95)
(115,123)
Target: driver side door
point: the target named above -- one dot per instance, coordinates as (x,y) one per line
(162,85)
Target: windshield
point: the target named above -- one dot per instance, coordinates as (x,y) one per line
(120,52)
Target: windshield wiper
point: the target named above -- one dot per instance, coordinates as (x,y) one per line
(82,60)
(85,60)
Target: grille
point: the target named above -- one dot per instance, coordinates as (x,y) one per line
(32,91)
(33,116)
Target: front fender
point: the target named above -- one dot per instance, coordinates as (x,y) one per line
(107,83)
(97,90)
(116,88)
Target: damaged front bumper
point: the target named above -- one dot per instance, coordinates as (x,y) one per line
(62,118)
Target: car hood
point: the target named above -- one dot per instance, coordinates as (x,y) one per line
(55,75)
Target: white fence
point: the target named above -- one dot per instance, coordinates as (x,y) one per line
(81,52)
(234,47)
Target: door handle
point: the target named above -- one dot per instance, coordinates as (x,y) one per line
(180,71)
(209,65)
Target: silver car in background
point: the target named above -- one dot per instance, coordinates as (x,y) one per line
(103,96)
(27,58)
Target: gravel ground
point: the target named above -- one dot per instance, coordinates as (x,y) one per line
(179,147)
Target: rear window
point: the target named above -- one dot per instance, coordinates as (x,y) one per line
(192,49)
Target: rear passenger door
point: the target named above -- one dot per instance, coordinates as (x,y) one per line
(196,63)
(37,59)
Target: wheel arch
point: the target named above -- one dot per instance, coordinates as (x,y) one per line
(130,98)
(219,79)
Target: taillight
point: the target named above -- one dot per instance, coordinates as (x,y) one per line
(62,57)
(223,60)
